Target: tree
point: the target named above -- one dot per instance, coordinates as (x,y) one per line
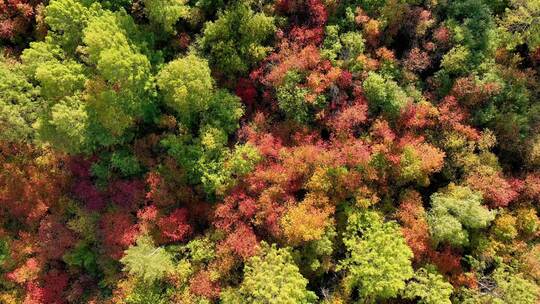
(63,120)
(17,19)
(308,220)
(187,87)
(107,89)
(373,6)
(378,259)
(454,211)
(291,97)
(514,288)
(237,39)
(384,95)
(60,79)
(65,126)
(521,24)
(509,287)
(118,232)
(496,190)
(220,175)
(429,287)
(224,112)
(205,157)
(54,285)
(418,161)
(82,256)
(272,277)
(19,102)
(505,227)
(54,238)
(67,20)
(124,85)
(475,24)
(342,49)
(32,182)
(165,13)
(175,226)
(415,227)
(147,262)
(456,60)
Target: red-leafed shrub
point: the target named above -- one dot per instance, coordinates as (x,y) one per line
(54,239)
(245,89)
(415,227)
(175,227)
(29,189)
(85,191)
(241,241)
(448,261)
(453,116)
(127,194)
(54,285)
(16,17)
(496,190)
(202,285)
(118,231)
(34,294)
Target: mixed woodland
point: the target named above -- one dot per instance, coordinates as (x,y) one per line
(269,151)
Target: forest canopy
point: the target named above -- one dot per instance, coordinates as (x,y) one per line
(269,151)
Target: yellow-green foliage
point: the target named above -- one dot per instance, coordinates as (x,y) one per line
(378,261)
(454,212)
(271,277)
(146,261)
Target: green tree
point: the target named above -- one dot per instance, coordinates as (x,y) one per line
(220,172)
(521,24)
(315,257)
(4,251)
(453,212)
(206,157)
(372,6)
(384,94)
(512,287)
(143,293)
(67,19)
(457,60)
(60,79)
(224,112)
(342,49)
(291,98)
(429,287)
(65,125)
(146,261)
(84,257)
(378,261)
(19,103)
(507,286)
(122,91)
(475,26)
(93,74)
(63,120)
(271,277)
(237,39)
(165,13)
(187,87)
(126,163)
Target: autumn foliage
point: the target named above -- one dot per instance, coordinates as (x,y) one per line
(287,151)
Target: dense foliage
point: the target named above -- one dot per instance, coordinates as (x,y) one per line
(271,151)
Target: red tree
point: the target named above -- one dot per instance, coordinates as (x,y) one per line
(175,226)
